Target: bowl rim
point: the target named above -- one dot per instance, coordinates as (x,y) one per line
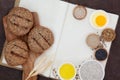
(97,11)
(92,61)
(62,65)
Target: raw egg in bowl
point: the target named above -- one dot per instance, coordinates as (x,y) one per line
(99,19)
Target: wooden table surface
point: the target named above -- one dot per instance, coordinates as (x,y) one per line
(113,64)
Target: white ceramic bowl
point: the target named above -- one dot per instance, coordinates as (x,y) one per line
(99,12)
(62,65)
(92,61)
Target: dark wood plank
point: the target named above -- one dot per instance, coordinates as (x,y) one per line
(5,6)
(7,73)
(107,5)
(10,74)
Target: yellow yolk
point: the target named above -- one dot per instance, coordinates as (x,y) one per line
(100,20)
(67,71)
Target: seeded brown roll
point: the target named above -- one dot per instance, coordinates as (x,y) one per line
(19,21)
(108,34)
(40,39)
(16,52)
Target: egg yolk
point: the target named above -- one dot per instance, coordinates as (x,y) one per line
(67,71)
(101,20)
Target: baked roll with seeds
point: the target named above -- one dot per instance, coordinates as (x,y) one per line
(40,39)
(16,52)
(108,34)
(19,21)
